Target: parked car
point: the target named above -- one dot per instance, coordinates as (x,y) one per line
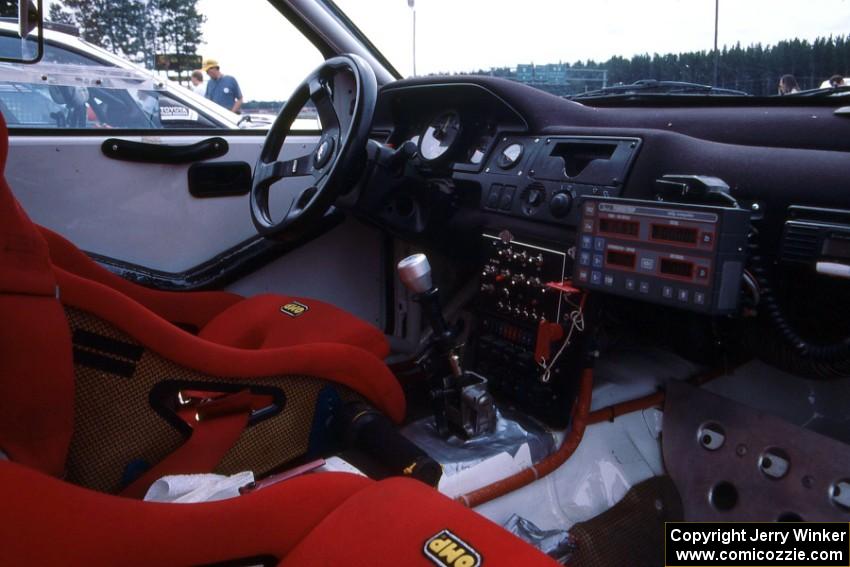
(67,90)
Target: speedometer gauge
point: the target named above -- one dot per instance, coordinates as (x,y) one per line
(439,136)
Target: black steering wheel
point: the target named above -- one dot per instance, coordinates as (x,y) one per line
(344,91)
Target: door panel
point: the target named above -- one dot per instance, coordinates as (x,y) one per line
(136,212)
(344,266)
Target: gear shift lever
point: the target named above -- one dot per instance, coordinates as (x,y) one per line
(415,273)
(460,400)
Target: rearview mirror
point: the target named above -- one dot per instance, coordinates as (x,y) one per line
(27,46)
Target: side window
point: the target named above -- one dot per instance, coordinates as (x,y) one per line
(9,46)
(246,71)
(28,104)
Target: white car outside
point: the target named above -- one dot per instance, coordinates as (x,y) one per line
(71,64)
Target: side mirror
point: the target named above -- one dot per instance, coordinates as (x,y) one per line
(29,17)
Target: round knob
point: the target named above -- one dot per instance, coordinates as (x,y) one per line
(415,273)
(560,205)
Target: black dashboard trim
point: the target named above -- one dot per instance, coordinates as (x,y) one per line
(392,88)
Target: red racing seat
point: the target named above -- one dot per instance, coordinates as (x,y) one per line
(227,318)
(102,390)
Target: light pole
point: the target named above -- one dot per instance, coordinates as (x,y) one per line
(716,52)
(412,4)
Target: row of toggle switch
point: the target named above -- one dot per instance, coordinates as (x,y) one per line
(518,311)
(522,257)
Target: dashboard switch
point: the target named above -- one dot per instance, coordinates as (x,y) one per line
(560,205)
(507,201)
(495,196)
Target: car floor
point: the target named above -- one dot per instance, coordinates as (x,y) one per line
(614,456)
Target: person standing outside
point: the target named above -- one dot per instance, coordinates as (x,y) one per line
(788,85)
(222,89)
(198,85)
(836,81)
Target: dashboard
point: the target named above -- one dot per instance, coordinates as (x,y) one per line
(522,189)
(515,156)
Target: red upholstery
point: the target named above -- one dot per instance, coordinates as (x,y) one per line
(36,414)
(321,519)
(258,323)
(227,318)
(50,522)
(341,363)
(394,520)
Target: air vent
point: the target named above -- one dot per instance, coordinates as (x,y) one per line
(813,235)
(800,242)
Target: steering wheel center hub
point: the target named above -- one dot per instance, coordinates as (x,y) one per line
(323,152)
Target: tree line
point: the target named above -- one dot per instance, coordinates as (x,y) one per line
(134,29)
(755,69)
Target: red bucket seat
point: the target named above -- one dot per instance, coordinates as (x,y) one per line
(99,388)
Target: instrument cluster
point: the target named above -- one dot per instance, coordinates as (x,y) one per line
(451,138)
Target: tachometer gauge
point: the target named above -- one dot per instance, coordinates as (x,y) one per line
(439,136)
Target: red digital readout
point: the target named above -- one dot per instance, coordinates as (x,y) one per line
(676,268)
(617,226)
(622,259)
(679,234)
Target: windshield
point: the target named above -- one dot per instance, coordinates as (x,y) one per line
(570,48)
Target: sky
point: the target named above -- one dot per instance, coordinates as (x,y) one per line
(269,57)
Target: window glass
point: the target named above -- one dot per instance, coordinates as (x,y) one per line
(248,61)
(67,96)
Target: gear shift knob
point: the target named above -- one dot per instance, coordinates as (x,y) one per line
(415,273)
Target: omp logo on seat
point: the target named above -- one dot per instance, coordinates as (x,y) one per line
(448,550)
(294,309)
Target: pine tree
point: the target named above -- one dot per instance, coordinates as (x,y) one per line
(135,29)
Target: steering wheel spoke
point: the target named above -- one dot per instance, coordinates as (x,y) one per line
(268,173)
(322,99)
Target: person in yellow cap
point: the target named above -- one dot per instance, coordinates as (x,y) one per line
(222,89)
